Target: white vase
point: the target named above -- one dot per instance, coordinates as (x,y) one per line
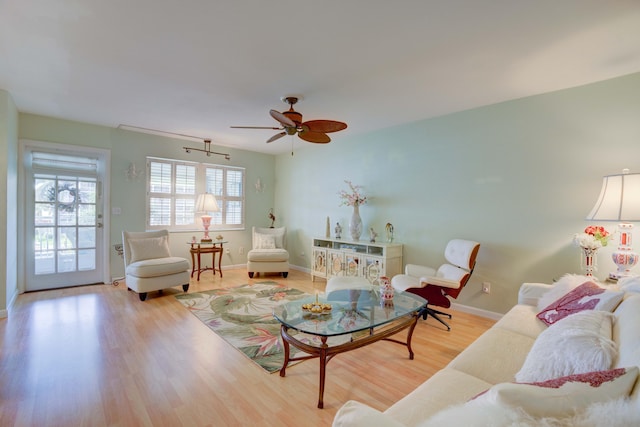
(355,225)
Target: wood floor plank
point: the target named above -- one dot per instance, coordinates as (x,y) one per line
(97,356)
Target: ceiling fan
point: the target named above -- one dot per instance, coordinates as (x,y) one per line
(291,121)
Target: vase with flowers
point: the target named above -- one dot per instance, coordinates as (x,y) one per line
(593,238)
(355,198)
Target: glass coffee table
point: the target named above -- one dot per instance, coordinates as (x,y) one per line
(358,313)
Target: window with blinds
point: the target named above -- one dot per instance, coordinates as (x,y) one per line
(174,186)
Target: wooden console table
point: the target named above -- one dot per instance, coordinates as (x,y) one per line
(199,248)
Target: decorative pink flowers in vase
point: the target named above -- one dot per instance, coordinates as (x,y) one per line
(355,197)
(593,238)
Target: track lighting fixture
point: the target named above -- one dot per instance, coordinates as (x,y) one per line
(207,150)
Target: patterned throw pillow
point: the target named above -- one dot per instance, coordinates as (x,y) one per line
(565,395)
(588,296)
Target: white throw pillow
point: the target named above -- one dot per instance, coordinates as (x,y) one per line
(629,284)
(587,296)
(265,241)
(577,344)
(356,414)
(561,397)
(149,248)
(614,413)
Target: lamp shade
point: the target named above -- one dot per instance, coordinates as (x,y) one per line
(206,203)
(619,199)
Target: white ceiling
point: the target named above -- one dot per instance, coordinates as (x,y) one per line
(197,67)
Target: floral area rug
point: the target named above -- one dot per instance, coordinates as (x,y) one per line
(243,317)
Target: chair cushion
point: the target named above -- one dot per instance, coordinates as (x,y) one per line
(402,282)
(157,267)
(268,255)
(148,248)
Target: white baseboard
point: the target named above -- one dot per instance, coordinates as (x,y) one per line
(477,311)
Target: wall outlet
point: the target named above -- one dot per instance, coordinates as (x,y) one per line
(241,250)
(228,251)
(301,254)
(486,287)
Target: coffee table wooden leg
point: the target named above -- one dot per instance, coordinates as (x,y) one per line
(323,369)
(285,345)
(410,334)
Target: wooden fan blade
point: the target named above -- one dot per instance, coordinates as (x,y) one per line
(325,126)
(276,136)
(284,120)
(315,137)
(256,127)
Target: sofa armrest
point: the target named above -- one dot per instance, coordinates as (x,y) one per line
(356,414)
(529,293)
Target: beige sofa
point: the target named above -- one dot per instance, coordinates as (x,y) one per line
(499,354)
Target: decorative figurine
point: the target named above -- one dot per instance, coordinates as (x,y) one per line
(389,230)
(272,217)
(338,231)
(372,235)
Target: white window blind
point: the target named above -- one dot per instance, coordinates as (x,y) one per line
(57,161)
(173,187)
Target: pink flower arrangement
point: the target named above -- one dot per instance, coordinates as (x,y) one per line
(355,197)
(594,237)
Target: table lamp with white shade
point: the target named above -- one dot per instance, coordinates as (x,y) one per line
(204,204)
(619,201)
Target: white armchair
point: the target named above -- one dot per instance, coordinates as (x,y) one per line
(268,254)
(438,285)
(149,265)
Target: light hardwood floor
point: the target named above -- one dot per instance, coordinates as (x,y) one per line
(97,356)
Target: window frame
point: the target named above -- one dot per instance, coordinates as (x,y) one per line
(221,191)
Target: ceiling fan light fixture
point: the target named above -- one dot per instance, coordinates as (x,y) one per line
(314,131)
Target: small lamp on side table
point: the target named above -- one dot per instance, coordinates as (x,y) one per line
(619,201)
(204,204)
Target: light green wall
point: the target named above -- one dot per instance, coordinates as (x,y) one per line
(8,203)
(518,176)
(129,195)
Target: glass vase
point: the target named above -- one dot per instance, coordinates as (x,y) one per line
(355,224)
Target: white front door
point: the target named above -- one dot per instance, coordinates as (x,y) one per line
(64,223)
